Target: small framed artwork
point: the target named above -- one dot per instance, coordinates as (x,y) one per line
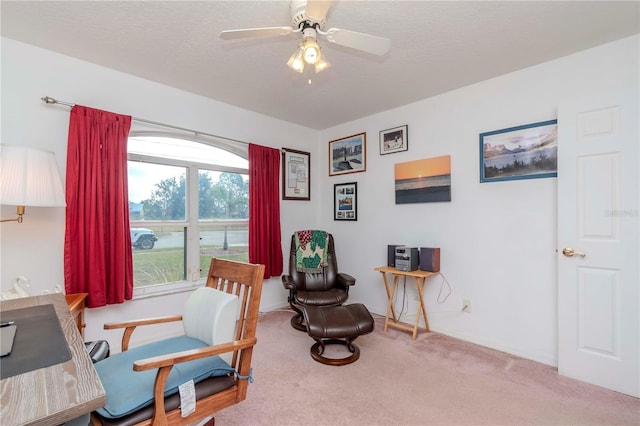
(394,140)
(345,201)
(296,175)
(529,151)
(348,155)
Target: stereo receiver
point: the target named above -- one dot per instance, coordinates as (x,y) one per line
(407,258)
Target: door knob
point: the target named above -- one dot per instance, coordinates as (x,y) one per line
(569,252)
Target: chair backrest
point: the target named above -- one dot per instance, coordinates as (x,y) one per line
(314,281)
(243,280)
(210,315)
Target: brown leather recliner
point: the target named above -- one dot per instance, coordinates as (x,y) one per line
(326,288)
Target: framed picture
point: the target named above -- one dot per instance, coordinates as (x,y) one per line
(423,181)
(394,140)
(296,175)
(348,155)
(522,152)
(345,201)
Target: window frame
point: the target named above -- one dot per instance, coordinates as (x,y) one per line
(194,277)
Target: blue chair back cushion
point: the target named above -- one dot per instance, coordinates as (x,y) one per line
(128,391)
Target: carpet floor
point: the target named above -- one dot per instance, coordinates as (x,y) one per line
(435,380)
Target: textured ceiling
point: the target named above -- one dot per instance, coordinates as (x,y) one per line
(435,47)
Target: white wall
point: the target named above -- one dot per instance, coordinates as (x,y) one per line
(35,247)
(498,239)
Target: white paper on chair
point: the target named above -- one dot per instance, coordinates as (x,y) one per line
(187,398)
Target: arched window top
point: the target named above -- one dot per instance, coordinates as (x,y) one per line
(190,151)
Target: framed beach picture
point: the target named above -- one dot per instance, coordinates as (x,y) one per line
(522,152)
(345,201)
(296,175)
(394,140)
(423,181)
(348,155)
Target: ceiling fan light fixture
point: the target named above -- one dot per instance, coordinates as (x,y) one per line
(311,50)
(308,18)
(296,61)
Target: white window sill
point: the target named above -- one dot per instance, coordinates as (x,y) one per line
(166,289)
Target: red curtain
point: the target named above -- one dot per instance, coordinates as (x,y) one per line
(97,246)
(264,209)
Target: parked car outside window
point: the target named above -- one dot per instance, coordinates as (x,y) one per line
(143,238)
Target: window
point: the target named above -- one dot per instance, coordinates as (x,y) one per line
(188,202)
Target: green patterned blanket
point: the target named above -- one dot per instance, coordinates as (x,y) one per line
(311,250)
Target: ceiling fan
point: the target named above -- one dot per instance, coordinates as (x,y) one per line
(309,17)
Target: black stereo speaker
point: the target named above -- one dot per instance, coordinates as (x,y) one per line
(391,255)
(429,259)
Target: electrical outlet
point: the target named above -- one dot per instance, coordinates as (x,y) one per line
(466,305)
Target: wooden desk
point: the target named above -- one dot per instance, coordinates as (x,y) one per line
(421,277)
(55,394)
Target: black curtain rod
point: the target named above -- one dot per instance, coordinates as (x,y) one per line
(50,100)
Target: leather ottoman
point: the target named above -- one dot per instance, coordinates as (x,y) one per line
(337,325)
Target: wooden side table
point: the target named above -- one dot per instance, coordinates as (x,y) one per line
(421,277)
(77,303)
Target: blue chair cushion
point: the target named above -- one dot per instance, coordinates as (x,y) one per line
(128,391)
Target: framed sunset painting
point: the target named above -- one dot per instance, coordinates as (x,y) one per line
(423,181)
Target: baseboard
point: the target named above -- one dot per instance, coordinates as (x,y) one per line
(459,334)
(271,308)
(498,346)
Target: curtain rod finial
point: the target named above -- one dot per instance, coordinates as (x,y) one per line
(48,100)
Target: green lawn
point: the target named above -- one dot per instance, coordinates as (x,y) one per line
(160,266)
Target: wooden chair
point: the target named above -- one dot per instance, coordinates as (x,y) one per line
(212,394)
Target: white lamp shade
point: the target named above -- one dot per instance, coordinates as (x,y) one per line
(321,65)
(296,62)
(29,177)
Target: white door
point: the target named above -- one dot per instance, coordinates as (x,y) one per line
(598,215)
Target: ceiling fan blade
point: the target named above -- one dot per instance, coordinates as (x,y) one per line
(317,9)
(255,32)
(360,41)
